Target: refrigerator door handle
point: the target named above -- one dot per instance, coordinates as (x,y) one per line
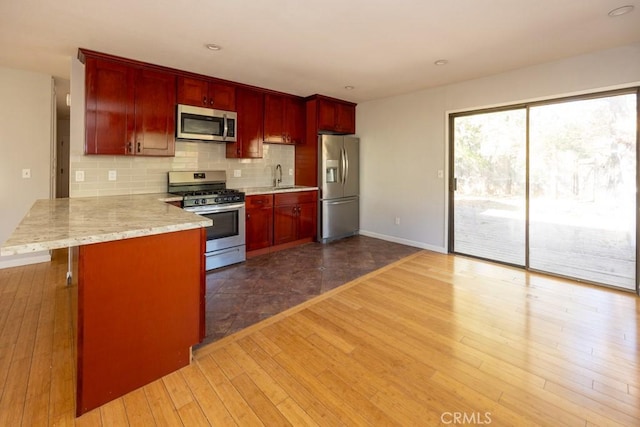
(346,165)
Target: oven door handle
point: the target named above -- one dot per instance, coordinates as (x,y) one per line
(218,209)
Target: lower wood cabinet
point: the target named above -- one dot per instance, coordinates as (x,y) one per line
(279,221)
(259,221)
(295,216)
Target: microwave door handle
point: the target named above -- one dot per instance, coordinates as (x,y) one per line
(226,127)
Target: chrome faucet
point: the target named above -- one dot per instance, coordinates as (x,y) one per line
(277,180)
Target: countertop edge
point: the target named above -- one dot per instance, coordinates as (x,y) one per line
(21,248)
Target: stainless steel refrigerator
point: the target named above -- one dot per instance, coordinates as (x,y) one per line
(339,170)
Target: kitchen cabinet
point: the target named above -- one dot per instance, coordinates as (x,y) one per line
(336,116)
(130,110)
(206,93)
(321,113)
(295,216)
(250,109)
(283,119)
(259,221)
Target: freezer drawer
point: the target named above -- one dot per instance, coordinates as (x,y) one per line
(339,218)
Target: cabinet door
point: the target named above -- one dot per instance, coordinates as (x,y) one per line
(222,96)
(274,128)
(326,115)
(294,120)
(250,107)
(259,228)
(345,118)
(193,91)
(285,224)
(155,99)
(109,107)
(307,220)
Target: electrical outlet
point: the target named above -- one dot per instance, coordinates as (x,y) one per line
(290,172)
(26,173)
(397,220)
(440,174)
(113,175)
(79,176)
(237,173)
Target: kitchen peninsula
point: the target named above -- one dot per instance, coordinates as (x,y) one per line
(140,283)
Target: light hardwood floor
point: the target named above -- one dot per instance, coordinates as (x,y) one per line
(432,339)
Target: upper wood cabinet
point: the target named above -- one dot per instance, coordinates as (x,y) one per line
(323,115)
(250,108)
(336,116)
(130,110)
(206,93)
(283,119)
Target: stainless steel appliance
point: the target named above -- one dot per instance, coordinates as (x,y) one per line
(338,166)
(205,124)
(205,193)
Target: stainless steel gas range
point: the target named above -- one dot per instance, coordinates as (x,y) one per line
(206,193)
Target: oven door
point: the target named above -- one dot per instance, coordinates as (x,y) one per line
(228,229)
(226,237)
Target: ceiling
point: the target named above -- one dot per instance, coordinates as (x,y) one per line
(380,47)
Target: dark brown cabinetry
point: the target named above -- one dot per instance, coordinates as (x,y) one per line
(320,111)
(336,116)
(294,217)
(130,110)
(206,93)
(283,119)
(259,221)
(250,108)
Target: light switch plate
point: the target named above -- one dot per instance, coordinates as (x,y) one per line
(26,173)
(113,175)
(79,176)
(440,174)
(290,172)
(237,173)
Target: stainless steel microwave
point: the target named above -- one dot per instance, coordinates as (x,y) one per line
(206,124)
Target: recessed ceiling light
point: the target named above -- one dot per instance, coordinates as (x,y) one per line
(441,62)
(623,10)
(212,46)
(349,87)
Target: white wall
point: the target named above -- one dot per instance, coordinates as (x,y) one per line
(404,138)
(149,174)
(25,143)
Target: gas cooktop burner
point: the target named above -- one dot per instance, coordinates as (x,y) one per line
(225,191)
(202,188)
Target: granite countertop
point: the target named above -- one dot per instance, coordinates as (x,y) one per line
(60,223)
(252,191)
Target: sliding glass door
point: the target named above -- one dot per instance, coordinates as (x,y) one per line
(489,196)
(582,217)
(549,186)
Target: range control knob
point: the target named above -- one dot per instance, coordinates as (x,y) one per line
(196,202)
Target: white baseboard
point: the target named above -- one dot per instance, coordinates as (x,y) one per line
(18,260)
(407,242)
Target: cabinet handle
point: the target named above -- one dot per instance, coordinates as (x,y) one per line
(211,102)
(248,216)
(139,146)
(204,100)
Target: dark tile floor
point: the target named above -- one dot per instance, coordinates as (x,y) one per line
(243,294)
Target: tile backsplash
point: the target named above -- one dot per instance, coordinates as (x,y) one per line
(135,175)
